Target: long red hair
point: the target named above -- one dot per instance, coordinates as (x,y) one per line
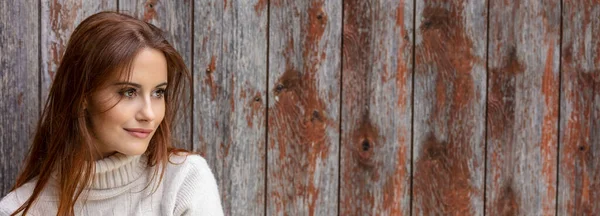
(102,46)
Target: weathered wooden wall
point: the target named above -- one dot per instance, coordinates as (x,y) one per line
(523,91)
(19,84)
(376,110)
(349,107)
(579,150)
(449,114)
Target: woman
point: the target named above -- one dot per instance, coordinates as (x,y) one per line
(103,143)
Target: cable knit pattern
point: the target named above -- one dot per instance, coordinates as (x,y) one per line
(122,186)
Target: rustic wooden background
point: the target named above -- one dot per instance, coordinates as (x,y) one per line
(395,107)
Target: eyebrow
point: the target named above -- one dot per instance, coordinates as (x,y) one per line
(138,85)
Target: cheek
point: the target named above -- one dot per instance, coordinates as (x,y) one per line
(159,110)
(111,119)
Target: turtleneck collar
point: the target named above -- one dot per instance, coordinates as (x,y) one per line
(117,170)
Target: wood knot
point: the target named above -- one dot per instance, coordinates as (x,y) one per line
(364,153)
(208,70)
(435,149)
(290,80)
(150,5)
(279,88)
(581,148)
(436,152)
(427,24)
(315,116)
(257,99)
(320,16)
(366,145)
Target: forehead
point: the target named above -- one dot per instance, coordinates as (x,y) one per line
(149,67)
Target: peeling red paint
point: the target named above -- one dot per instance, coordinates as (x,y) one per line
(255,108)
(501,122)
(501,100)
(20,99)
(243,92)
(373,185)
(364,141)
(507,202)
(400,15)
(299,119)
(395,184)
(62,19)
(209,80)
(549,142)
(442,180)
(577,163)
(260,6)
(224,148)
(515,101)
(579,185)
(149,10)
(402,74)
(303,133)
(317,21)
(203,144)
(384,76)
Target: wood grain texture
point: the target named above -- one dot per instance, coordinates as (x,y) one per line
(59,19)
(449,112)
(579,171)
(19,77)
(377,108)
(523,107)
(230,80)
(304,103)
(175,19)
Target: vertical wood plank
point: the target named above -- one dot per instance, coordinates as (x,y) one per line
(230,60)
(449,112)
(304,104)
(376,110)
(175,18)
(19,78)
(523,107)
(59,19)
(579,171)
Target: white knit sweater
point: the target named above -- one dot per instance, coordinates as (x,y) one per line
(188,188)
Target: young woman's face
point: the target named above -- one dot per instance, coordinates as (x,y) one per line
(129,125)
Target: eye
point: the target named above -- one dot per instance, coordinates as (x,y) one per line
(160,93)
(130,92)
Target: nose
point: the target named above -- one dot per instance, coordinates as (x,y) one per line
(146,113)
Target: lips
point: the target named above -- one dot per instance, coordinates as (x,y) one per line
(138,132)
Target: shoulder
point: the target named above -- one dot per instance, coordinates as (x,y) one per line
(184,170)
(9,203)
(197,190)
(13,200)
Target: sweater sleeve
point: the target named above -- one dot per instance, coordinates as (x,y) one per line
(199,193)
